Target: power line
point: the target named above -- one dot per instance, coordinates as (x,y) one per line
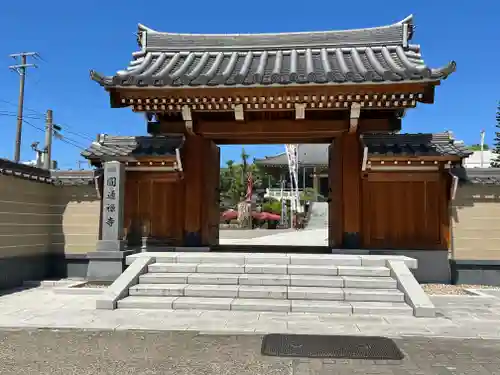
(13,114)
(66,140)
(15,105)
(81,135)
(77,133)
(31,117)
(21,67)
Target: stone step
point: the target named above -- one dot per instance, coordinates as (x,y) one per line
(269,279)
(241,258)
(243,304)
(275,269)
(268,292)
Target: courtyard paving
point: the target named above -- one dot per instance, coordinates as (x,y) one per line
(305,237)
(40,307)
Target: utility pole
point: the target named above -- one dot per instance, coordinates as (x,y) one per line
(79,164)
(48,140)
(39,154)
(20,68)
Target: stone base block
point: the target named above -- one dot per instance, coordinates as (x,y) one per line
(110,245)
(106,265)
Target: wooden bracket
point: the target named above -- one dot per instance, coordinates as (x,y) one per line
(300,111)
(239,114)
(188,119)
(365,159)
(354,117)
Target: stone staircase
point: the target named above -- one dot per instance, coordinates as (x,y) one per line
(317,283)
(319,216)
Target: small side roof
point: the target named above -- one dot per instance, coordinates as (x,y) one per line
(108,147)
(414,145)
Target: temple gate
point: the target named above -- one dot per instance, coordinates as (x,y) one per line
(350,89)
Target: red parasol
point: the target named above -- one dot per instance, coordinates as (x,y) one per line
(229,215)
(265,216)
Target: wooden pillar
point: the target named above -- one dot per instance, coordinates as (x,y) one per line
(211,196)
(193,154)
(351,190)
(334,195)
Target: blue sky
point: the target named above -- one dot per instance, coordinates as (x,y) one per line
(74,37)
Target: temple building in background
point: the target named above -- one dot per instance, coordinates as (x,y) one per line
(313,167)
(313,158)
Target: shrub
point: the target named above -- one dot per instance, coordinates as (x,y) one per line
(273,206)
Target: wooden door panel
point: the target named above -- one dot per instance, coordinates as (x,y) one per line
(152,201)
(402,214)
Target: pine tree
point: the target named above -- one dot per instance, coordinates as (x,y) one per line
(495,162)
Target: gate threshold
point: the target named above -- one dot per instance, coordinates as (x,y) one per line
(235,248)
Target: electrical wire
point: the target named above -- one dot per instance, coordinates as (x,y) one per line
(42,116)
(66,140)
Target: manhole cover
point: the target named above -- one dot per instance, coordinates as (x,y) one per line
(318,346)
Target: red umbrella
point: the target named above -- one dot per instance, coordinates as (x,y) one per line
(229,215)
(266,216)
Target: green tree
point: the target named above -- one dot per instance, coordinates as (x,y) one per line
(477,147)
(244,166)
(495,162)
(233,179)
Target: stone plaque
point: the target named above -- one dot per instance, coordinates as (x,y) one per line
(112,201)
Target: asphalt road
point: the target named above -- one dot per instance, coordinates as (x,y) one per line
(135,352)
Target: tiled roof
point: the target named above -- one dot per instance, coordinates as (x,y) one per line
(28,172)
(116,147)
(308,155)
(379,54)
(485,176)
(438,144)
(76,177)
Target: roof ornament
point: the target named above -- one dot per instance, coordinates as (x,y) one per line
(407,20)
(141,33)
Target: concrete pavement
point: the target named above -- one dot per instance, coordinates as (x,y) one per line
(304,237)
(458,316)
(141,352)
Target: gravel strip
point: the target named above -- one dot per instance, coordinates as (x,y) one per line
(447,289)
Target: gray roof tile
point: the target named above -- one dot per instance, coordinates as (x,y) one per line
(8,167)
(75,177)
(113,147)
(377,54)
(421,144)
(56,177)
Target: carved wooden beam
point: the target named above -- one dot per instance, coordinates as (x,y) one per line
(239,114)
(188,119)
(354,117)
(300,111)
